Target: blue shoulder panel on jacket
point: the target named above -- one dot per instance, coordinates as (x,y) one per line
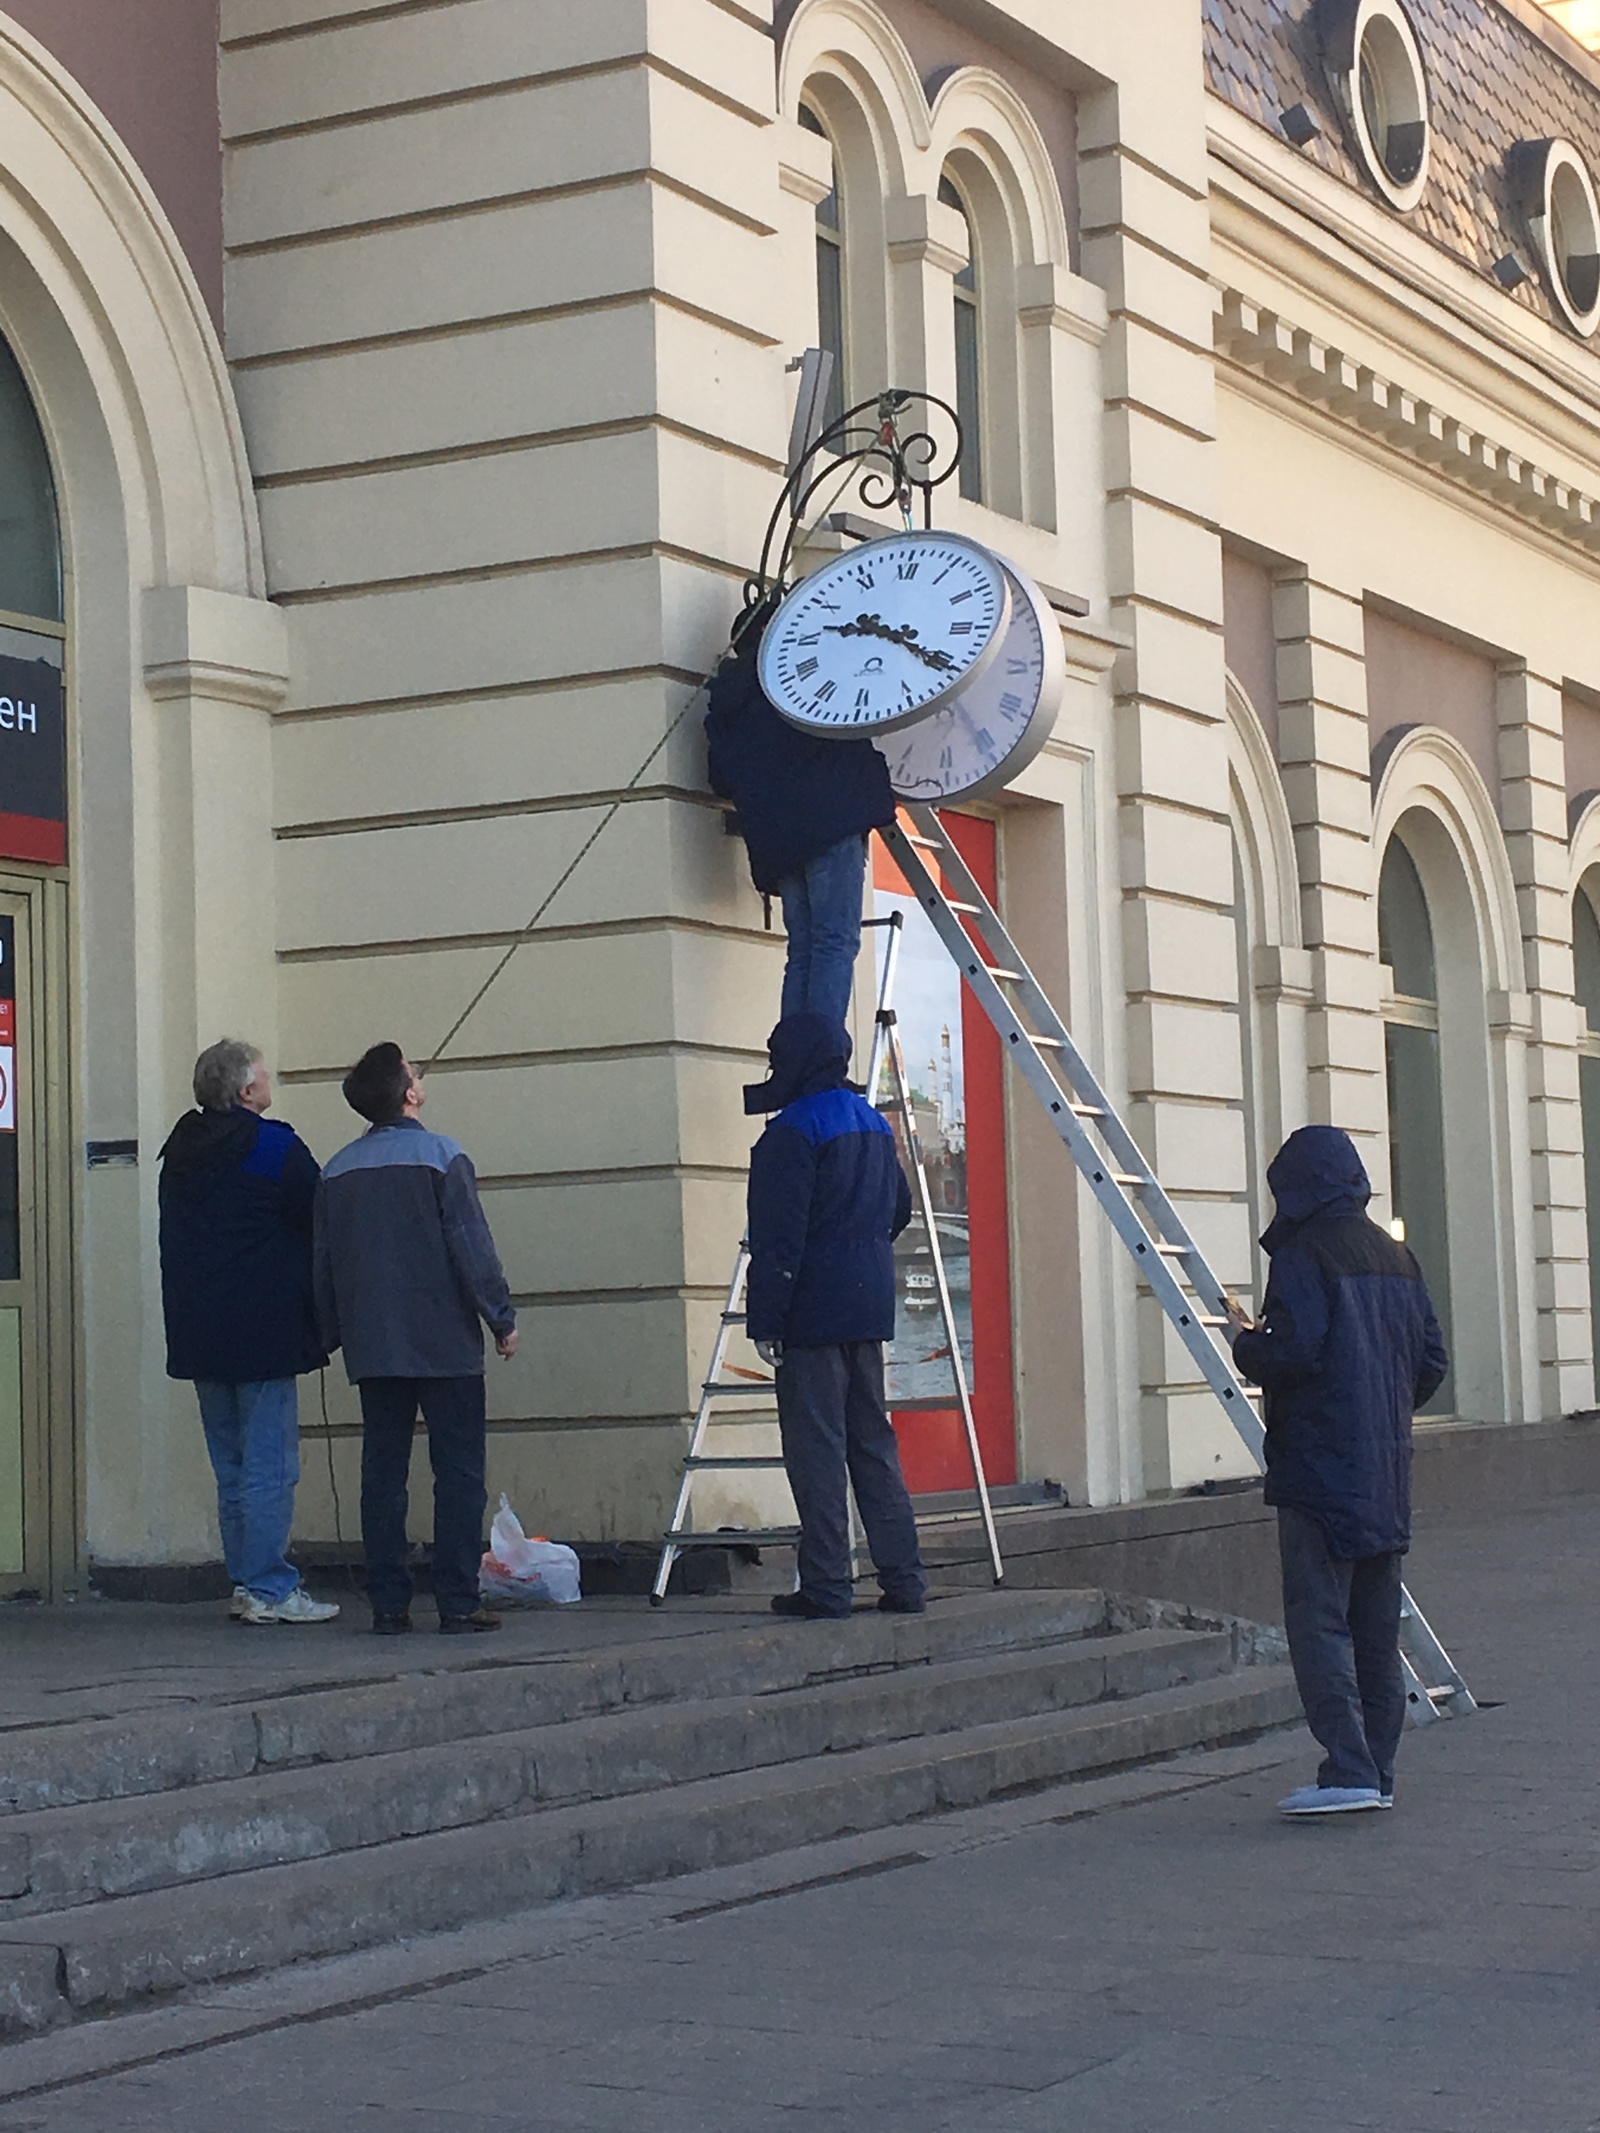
(394,1147)
(830,1115)
(271,1151)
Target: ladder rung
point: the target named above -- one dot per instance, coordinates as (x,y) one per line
(925,844)
(966,910)
(1086,1110)
(735,1537)
(733,1318)
(750,1385)
(1047,1044)
(1003,977)
(1174,1251)
(701,1461)
(1127,1179)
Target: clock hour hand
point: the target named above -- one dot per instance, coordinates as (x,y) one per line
(906,638)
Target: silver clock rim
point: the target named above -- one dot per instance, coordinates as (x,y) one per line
(1042,720)
(869,730)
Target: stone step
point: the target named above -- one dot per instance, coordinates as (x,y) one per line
(156,1751)
(98,1957)
(80,1855)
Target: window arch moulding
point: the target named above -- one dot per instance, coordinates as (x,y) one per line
(1426,768)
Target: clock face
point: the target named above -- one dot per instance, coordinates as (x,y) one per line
(874,639)
(980,739)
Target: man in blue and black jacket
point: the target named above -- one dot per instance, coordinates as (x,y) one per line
(1348,1347)
(827,1200)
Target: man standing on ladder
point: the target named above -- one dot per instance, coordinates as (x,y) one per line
(827,1200)
(1347,1348)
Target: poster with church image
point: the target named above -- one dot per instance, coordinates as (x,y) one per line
(927,1005)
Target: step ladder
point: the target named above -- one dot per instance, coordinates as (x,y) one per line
(1116,1171)
(726,1388)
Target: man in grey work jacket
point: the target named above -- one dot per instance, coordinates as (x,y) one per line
(405,1270)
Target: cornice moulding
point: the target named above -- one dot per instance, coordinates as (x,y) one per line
(1310,369)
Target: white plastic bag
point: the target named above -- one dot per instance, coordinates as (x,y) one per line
(527,1572)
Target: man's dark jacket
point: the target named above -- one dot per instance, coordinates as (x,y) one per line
(406,1268)
(236,1195)
(827,1197)
(1349,1348)
(795,796)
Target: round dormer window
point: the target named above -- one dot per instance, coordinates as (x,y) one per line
(1375,64)
(1556,194)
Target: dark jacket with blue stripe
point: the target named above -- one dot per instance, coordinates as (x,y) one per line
(407,1274)
(796,796)
(827,1198)
(235,1196)
(1348,1348)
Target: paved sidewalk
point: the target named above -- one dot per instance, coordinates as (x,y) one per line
(1151,1954)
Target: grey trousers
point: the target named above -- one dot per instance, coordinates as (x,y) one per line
(1343,1619)
(833,1421)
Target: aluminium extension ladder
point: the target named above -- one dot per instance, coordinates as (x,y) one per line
(720,1389)
(1117,1173)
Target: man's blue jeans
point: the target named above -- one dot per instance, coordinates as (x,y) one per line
(1343,1619)
(832,1420)
(253,1436)
(453,1409)
(822,916)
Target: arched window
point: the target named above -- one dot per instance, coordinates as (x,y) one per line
(1586,985)
(830,276)
(30,539)
(969,364)
(1416,1093)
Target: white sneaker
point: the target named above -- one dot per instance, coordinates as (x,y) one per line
(297,1606)
(1332,1800)
(239,1602)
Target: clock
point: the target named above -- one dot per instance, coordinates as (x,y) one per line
(877,638)
(980,738)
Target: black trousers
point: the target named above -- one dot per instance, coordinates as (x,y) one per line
(1343,1619)
(453,1409)
(832,1420)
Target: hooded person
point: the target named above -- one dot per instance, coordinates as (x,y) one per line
(804,807)
(1347,1349)
(827,1200)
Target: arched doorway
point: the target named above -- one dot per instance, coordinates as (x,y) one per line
(35,1458)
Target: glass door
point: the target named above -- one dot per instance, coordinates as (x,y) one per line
(26,1540)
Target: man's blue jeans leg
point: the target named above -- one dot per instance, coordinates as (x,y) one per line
(453,1409)
(253,1436)
(833,1422)
(822,917)
(1343,1619)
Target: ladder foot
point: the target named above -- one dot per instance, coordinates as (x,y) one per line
(658,1599)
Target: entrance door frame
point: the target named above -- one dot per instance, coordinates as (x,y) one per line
(52,1451)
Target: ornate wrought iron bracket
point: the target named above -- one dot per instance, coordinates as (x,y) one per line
(871,450)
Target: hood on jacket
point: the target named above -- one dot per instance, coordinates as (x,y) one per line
(204,1144)
(1316,1172)
(808,1053)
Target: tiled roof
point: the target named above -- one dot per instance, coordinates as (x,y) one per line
(1493,80)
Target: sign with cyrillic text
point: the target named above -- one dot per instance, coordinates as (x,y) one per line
(33,761)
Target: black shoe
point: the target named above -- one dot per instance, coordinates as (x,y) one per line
(479,1620)
(894,1603)
(390,1625)
(800,1607)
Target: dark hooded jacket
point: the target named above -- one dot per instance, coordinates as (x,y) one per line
(795,796)
(827,1197)
(236,1196)
(1348,1349)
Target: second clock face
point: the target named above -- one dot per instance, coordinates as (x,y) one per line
(978,740)
(874,639)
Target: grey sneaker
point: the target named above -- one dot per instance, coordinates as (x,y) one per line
(1331,1800)
(239,1602)
(297,1606)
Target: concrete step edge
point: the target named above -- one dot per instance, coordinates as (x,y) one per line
(101,1850)
(114,1954)
(127,1757)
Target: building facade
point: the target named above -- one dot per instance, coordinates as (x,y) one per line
(392,402)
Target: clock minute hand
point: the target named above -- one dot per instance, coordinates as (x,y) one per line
(875,626)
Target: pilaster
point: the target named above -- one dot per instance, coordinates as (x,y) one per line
(1534,807)
(1326,764)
